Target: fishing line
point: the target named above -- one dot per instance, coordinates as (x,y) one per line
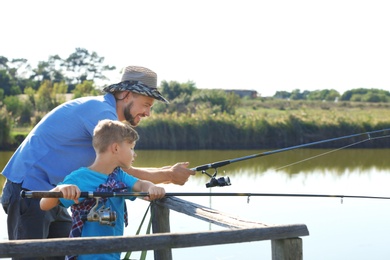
(225,181)
(335,150)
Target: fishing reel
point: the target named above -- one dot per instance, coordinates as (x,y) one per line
(214,182)
(102,215)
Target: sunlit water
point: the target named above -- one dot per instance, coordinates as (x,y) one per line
(339,228)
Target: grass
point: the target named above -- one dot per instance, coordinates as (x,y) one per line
(21,131)
(320,112)
(260,123)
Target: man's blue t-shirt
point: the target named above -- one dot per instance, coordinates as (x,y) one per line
(88,180)
(60,143)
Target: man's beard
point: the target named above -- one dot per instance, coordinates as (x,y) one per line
(128,117)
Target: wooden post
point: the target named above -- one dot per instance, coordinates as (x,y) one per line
(287,249)
(160,224)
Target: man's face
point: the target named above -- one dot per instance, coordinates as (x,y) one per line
(135,107)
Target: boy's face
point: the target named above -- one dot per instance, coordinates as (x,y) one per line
(127,154)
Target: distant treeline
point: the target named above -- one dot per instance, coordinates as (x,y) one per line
(354,95)
(226,132)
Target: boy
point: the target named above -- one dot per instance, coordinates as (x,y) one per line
(114,144)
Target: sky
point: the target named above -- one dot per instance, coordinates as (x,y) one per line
(267,46)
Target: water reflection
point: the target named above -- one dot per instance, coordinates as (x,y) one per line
(337,225)
(290,162)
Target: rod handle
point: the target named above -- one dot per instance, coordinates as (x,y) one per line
(46,194)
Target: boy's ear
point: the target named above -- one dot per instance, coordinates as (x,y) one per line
(114,148)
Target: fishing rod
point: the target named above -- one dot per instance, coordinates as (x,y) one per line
(106,216)
(97,194)
(225,181)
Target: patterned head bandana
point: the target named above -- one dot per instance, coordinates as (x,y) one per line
(137,87)
(139,80)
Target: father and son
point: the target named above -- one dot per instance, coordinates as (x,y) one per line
(86,144)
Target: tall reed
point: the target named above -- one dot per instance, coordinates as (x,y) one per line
(251,131)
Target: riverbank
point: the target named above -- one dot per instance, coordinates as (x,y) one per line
(260,124)
(205,135)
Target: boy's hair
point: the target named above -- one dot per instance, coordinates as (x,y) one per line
(108,132)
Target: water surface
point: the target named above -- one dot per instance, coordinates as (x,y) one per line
(339,229)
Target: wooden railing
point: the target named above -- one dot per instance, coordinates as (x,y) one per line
(286,242)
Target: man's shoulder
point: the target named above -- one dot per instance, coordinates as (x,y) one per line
(86,100)
(93,103)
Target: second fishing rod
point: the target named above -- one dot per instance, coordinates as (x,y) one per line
(97,194)
(225,181)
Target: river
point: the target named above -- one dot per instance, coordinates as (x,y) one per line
(339,228)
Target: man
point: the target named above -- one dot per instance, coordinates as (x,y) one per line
(62,142)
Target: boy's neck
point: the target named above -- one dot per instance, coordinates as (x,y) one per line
(99,170)
(102,166)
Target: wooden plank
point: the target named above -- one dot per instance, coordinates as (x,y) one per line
(97,245)
(207,214)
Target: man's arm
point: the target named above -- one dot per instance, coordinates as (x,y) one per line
(176,174)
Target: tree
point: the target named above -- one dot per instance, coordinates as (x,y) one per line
(19,68)
(43,71)
(45,101)
(5,82)
(26,113)
(174,89)
(282,94)
(296,95)
(3,63)
(332,95)
(30,92)
(59,92)
(367,95)
(5,128)
(13,105)
(86,88)
(1,97)
(83,65)
(20,72)
(217,100)
(325,94)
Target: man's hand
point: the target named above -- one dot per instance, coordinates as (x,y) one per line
(176,174)
(179,173)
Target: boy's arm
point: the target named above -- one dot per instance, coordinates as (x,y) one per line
(71,192)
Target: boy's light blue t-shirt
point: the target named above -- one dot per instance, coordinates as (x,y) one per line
(60,143)
(88,180)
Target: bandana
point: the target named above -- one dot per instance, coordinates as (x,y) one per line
(80,211)
(137,87)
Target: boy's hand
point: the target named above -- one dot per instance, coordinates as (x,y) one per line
(70,192)
(155,192)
